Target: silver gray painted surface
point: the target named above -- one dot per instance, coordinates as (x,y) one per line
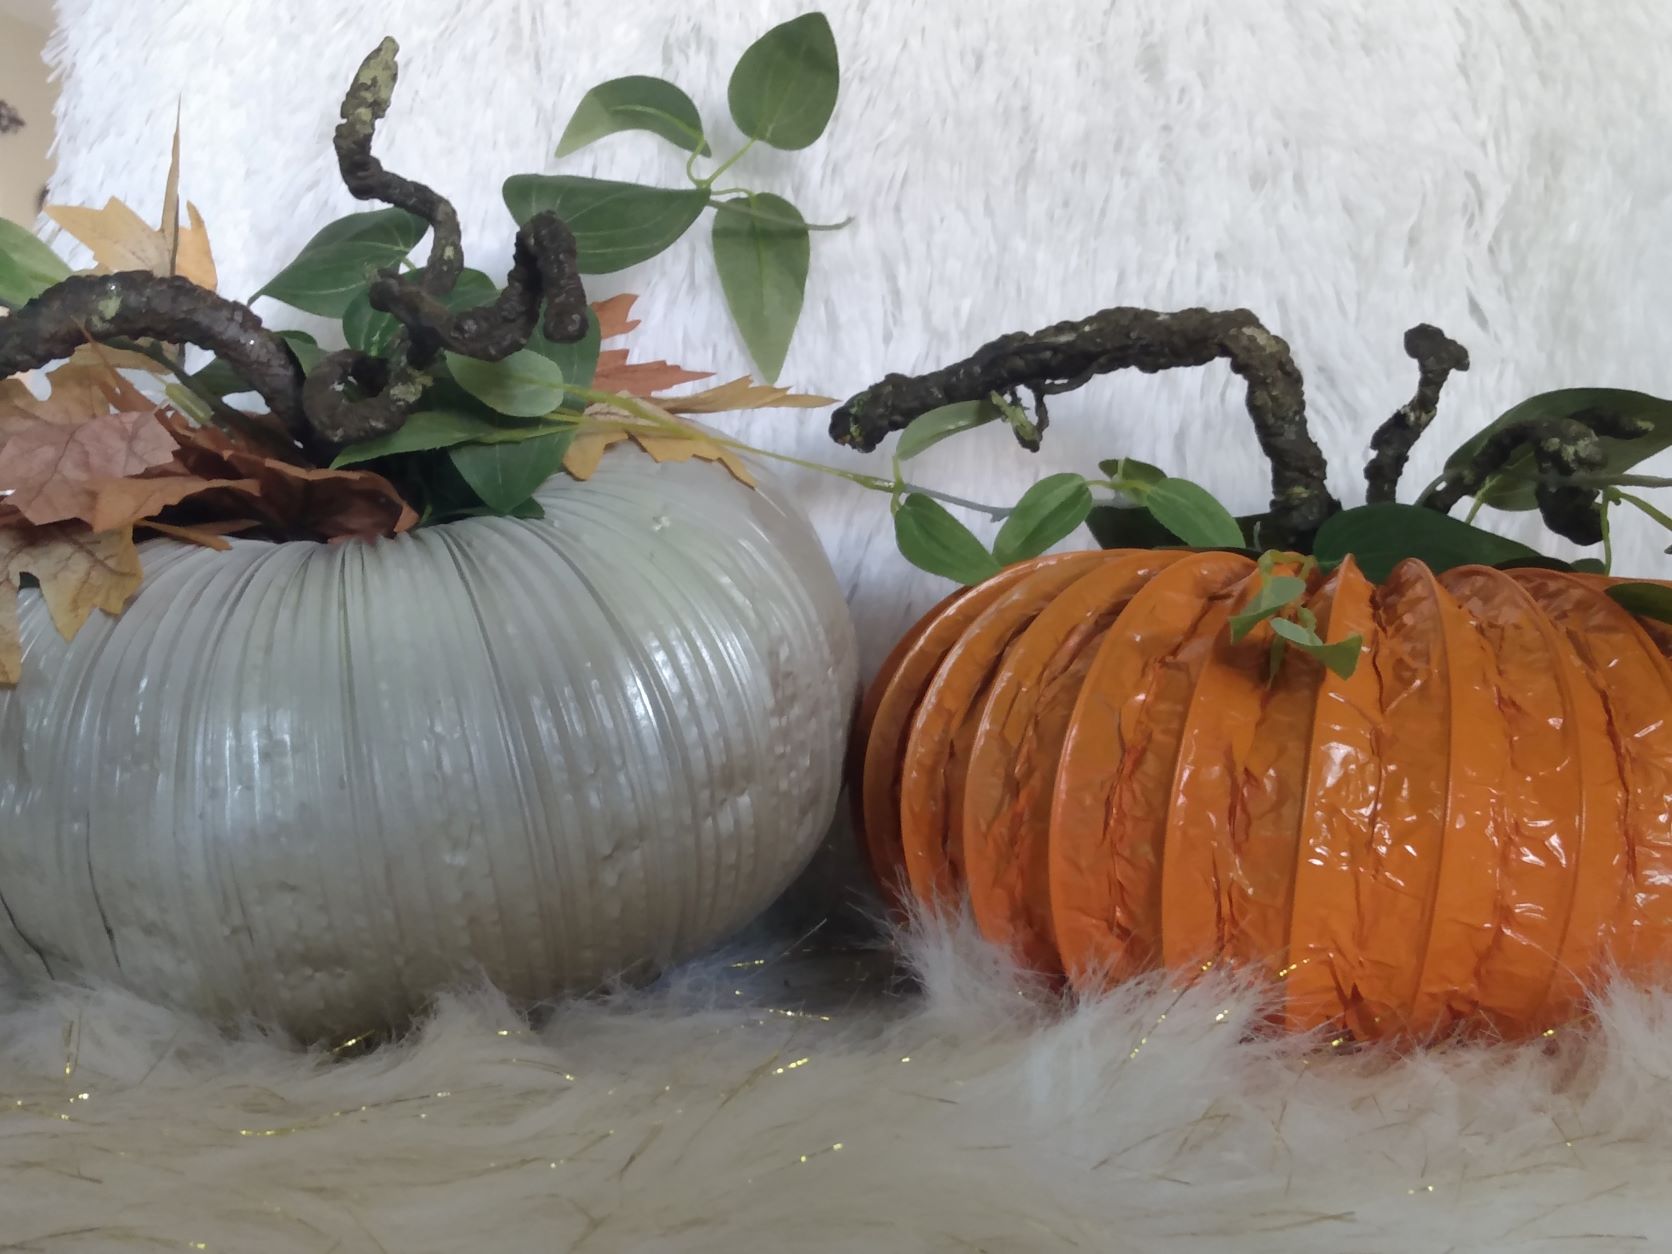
(316,784)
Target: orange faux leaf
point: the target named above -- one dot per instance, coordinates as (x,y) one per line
(79,571)
(586,450)
(741,393)
(52,469)
(612,315)
(640,378)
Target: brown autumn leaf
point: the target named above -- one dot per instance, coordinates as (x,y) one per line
(741,393)
(293,499)
(102,355)
(125,502)
(210,535)
(79,571)
(53,471)
(78,393)
(586,451)
(613,317)
(194,259)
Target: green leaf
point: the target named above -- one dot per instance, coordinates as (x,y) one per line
(304,347)
(578,361)
(1646,600)
(1048,511)
(370,330)
(1130,470)
(1512,487)
(1379,537)
(506,475)
(220,379)
(341,259)
(27,266)
(1341,657)
(1129,527)
(635,103)
(783,90)
(427,429)
(365,328)
(1590,566)
(763,272)
(929,429)
(523,385)
(933,540)
(1277,593)
(1191,513)
(615,225)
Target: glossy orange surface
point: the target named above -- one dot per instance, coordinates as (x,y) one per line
(1462,836)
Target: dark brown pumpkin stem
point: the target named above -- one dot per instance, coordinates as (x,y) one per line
(319,412)
(1561,448)
(1436,355)
(1070,354)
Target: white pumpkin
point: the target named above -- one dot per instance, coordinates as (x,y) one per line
(316,784)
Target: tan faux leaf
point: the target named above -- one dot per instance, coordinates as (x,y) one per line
(119,358)
(119,238)
(123,502)
(640,378)
(194,259)
(586,450)
(171,200)
(79,571)
(208,535)
(613,317)
(741,393)
(51,469)
(675,448)
(78,393)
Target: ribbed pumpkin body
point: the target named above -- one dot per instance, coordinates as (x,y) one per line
(1463,835)
(317,784)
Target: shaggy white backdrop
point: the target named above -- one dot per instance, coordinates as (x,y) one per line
(1343,169)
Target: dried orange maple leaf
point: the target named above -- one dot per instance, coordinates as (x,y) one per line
(79,571)
(640,378)
(53,471)
(124,502)
(613,314)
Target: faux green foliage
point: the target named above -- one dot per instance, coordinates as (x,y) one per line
(635,103)
(1379,537)
(337,263)
(762,261)
(27,266)
(781,93)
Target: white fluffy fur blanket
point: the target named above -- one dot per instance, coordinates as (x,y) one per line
(1345,168)
(726,1113)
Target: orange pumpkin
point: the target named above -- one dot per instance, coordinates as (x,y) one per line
(1463,835)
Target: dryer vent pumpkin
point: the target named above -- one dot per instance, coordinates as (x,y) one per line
(1464,834)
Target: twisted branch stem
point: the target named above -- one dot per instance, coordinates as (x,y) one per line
(1436,355)
(1069,354)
